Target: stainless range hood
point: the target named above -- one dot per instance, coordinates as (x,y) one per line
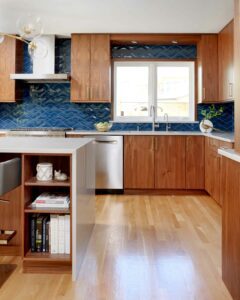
(44,68)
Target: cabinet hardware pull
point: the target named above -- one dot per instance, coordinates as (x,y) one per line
(230,90)
(204,93)
(105,142)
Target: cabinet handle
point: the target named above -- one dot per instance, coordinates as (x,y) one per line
(230,90)
(204,93)
(88,92)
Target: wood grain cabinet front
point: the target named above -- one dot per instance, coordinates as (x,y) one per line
(170,157)
(11,58)
(225,53)
(164,162)
(213,168)
(90,68)
(207,62)
(138,162)
(195,163)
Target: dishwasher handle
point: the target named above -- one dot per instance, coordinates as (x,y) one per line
(105,142)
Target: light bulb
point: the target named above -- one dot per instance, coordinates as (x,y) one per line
(29,27)
(37,48)
(1,38)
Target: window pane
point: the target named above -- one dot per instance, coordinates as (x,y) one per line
(132,94)
(173,90)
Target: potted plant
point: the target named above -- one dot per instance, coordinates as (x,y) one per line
(206,125)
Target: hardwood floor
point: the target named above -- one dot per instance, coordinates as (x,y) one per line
(142,247)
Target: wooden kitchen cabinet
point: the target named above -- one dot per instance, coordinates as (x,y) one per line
(225,53)
(207,61)
(213,176)
(170,156)
(90,68)
(195,162)
(11,58)
(138,162)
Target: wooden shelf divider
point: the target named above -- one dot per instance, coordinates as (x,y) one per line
(34,182)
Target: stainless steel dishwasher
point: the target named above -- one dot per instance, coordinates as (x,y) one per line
(109,162)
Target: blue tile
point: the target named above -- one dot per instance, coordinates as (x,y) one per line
(46,105)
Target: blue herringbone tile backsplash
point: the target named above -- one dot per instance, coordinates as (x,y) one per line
(48,105)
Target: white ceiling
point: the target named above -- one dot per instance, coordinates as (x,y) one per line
(134,16)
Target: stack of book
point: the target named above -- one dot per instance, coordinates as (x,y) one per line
(50,233)
(48,200)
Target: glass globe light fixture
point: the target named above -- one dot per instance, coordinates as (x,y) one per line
(37,48)
(29,27)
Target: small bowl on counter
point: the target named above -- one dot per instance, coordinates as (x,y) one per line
(103,126)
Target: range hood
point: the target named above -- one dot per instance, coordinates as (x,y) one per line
(43,68)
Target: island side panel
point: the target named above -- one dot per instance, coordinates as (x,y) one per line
(83,203)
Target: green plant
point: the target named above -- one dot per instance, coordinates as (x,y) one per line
(212,112)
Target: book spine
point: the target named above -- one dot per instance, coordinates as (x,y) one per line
(33,233)
(61,226)
(47,236)
(54,233)
(39,234)
(44,235)
(67,234)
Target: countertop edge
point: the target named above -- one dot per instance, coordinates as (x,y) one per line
(219,136)
(230,153)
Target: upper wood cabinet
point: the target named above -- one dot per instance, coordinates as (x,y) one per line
(208,68)
(138,162)
(225,53)
(195,162)
(90,68)
(170,156)
(11,55)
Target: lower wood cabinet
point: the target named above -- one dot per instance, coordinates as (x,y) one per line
(164,162)
(195,162)
(213,168)
(138,162)
(170,158)
(231,226)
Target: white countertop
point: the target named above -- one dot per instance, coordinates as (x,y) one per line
(41,145)
(230,153)
(223,136)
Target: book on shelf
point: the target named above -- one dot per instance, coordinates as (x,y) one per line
(48,200)
(50,233)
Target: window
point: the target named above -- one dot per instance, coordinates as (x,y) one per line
(168,85)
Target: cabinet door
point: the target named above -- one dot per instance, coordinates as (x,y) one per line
(170,162)
(208,68)
(100,68)
(11,56)
(225,50)
(80,67)
(195,162)
(138,162)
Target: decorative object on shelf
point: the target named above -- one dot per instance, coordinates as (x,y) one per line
(58,175)
(44,171)
(103,126)
(206,125)
(30,28)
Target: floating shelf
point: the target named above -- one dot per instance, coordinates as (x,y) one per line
(34,182)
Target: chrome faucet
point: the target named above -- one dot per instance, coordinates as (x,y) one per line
(153,115)
(167,122)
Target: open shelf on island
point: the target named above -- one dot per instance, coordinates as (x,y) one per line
(30,256)
(34,182)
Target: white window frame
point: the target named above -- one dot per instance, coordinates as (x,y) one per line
(152,92)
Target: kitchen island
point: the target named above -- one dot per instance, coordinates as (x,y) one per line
(76,158)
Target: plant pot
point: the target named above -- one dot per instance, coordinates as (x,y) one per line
(206,126)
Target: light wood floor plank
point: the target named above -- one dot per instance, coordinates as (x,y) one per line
(142,248)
